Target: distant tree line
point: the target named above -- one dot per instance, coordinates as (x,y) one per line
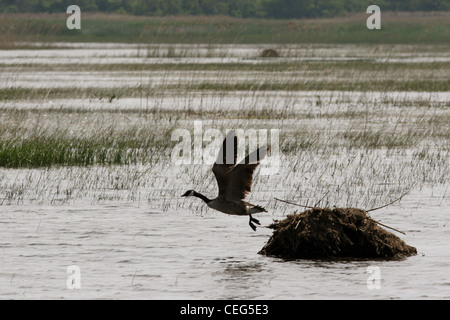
(278,9)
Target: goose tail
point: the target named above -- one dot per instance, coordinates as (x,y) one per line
(255,209)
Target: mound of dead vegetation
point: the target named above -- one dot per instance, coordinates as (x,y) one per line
(269,53)
(322,233)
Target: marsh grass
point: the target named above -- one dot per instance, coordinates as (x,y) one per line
(157,79)
(43,94)
(319,165)
(79,136)
(358,147)
(369,85)
(41,152)
(351,66)
(148,91)
(50,141)
(397,28)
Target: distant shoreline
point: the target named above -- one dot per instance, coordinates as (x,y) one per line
(396,28)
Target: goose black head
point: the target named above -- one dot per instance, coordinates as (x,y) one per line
(188,193)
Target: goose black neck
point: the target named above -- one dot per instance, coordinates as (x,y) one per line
(199,195)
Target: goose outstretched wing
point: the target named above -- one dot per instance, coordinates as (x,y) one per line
(226,161)
(235,180)
(240,178)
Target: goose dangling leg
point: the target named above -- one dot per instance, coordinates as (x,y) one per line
(253,220)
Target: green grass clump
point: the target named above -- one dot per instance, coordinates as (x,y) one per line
(43,152)
(42,146)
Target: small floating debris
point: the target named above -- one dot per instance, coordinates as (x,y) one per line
(322,233)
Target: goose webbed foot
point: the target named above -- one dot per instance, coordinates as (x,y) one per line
(250,222)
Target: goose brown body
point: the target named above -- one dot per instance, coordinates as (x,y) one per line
(234,180)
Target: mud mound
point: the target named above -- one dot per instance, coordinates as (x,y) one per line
(269,53)
(333,233)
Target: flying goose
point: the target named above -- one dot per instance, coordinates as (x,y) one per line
(234,180)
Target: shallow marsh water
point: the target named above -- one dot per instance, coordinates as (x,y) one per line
(133,236)
(130,251)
